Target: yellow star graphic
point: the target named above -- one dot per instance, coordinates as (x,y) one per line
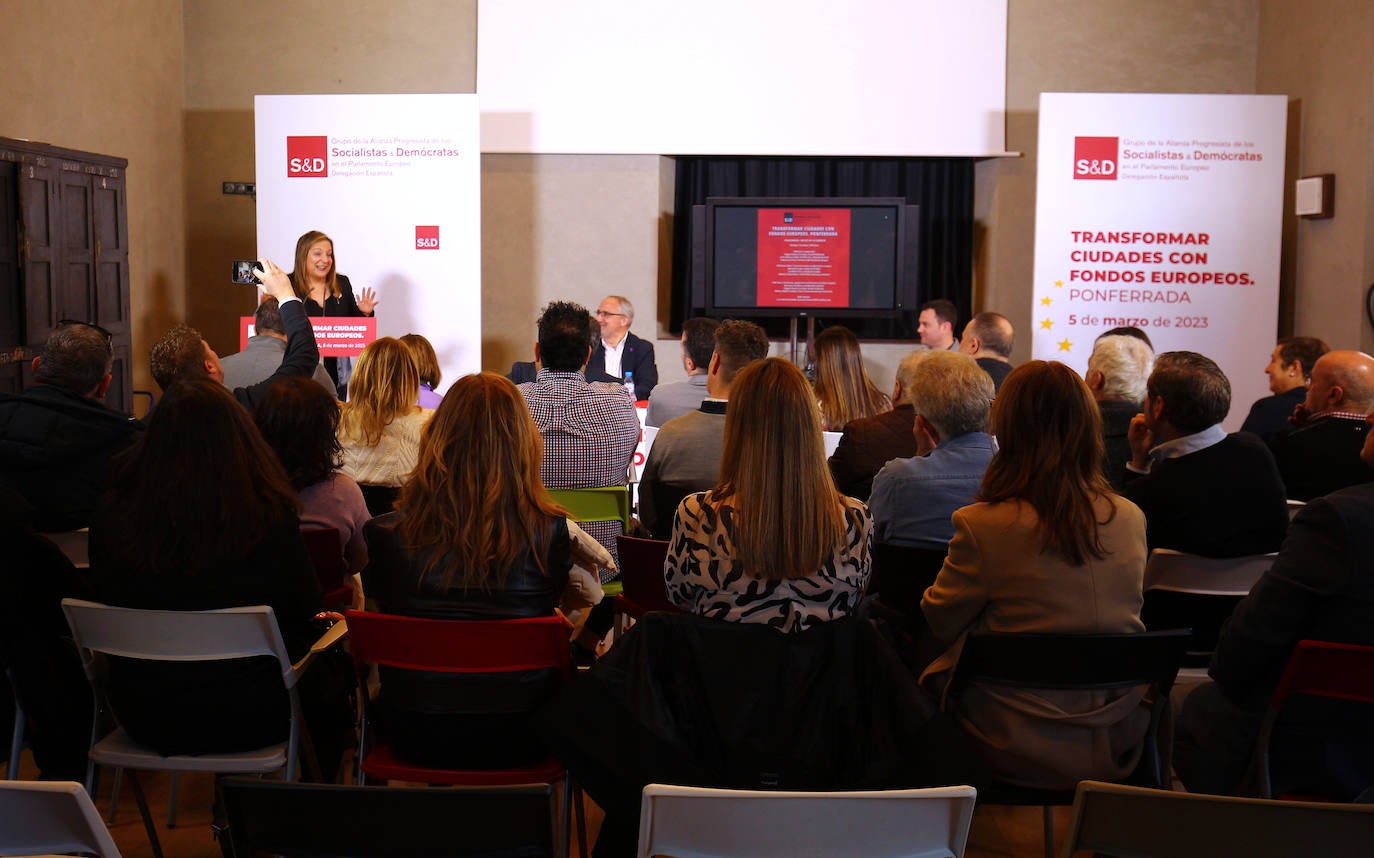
(1065,345)
(1059,284)
(1047,300)
(1046,324)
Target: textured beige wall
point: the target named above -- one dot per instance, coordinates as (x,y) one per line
(107,77)
(1090,46)
(1325,62)
(236,50)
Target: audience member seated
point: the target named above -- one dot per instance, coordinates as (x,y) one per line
(427,365)
(935,324)
(589,429)
(685,457)
(618,352)
(1319,588)
(57,437)
(1322,454)
(201,516)
(1289,371)
(380,425)
(1051,548)
(871,442)
(36,650)
(523,371)
(989,338)
(182,353)
(774,542)
(1118,371)
(1203,491)
(475,536)
(843,388)
(264,351)
(683,397)
(300,422)
(914,498)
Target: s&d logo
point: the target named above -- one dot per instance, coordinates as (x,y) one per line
(1095,158)
(307,157)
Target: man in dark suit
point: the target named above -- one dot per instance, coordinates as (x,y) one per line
(988,339)
(1322,454)
(619,352)
(1321,587)
(871,442)
(1202,491)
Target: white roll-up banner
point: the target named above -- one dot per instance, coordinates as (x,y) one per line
(1163,212)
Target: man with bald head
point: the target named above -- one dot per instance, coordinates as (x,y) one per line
(988,339)
(1322,452)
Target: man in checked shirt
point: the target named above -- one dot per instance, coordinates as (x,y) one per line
(589,429)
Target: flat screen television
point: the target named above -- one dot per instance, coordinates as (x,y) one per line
(809,256)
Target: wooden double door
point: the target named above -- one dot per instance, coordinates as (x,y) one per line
(64,254)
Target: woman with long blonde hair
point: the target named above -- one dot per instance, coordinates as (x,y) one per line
(475,535)
(774,542)
(843,388)
(379,425)
(1050,547)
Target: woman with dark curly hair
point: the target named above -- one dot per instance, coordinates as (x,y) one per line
(299,420)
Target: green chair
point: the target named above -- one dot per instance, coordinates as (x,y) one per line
(610,503)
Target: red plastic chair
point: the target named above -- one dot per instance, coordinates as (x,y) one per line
(1321,669)
(460,646)
(326,552)
(641,572)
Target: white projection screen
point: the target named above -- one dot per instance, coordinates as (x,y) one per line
(762,77)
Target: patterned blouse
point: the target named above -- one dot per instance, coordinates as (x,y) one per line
(700,574)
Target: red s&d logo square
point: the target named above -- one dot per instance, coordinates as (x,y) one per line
(307,157)
(1094,157)
(426,238)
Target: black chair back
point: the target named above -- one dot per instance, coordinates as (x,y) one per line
(900,577)
(306,820)
(1072,660)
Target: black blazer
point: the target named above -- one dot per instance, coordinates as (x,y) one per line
(637,358)
(1321,457)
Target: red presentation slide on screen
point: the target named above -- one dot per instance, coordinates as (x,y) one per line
(803,258)
(336,336)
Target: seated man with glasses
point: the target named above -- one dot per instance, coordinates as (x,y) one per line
(620,353)
(57,437)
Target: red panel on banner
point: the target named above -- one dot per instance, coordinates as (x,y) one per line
(803,258)
(336,336)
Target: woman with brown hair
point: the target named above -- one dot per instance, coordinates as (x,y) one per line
(843,388)
(774,542)
(1049,548)
(475,536)
(201,516)
(379,426)
(326,292)
(427,364)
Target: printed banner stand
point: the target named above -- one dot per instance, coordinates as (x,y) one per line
(394,181)
(1163,212)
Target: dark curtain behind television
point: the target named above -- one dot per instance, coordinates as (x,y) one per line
(941,187)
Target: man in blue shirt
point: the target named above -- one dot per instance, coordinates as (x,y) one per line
(913,499)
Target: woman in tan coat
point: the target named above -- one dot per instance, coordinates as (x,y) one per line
(1051,548)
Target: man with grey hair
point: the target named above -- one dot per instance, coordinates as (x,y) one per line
(1322,453)
(1202,491)
(1117,371)
(871,442)
(620,356)
(914,498)
(264,351)
(57,437)
(988,339)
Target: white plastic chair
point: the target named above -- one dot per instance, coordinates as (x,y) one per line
(692,822)
(1133,822)
(185,636)
(51,818)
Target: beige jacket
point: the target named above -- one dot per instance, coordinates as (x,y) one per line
(996,578)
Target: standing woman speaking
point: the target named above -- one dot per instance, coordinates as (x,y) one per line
(326,292)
